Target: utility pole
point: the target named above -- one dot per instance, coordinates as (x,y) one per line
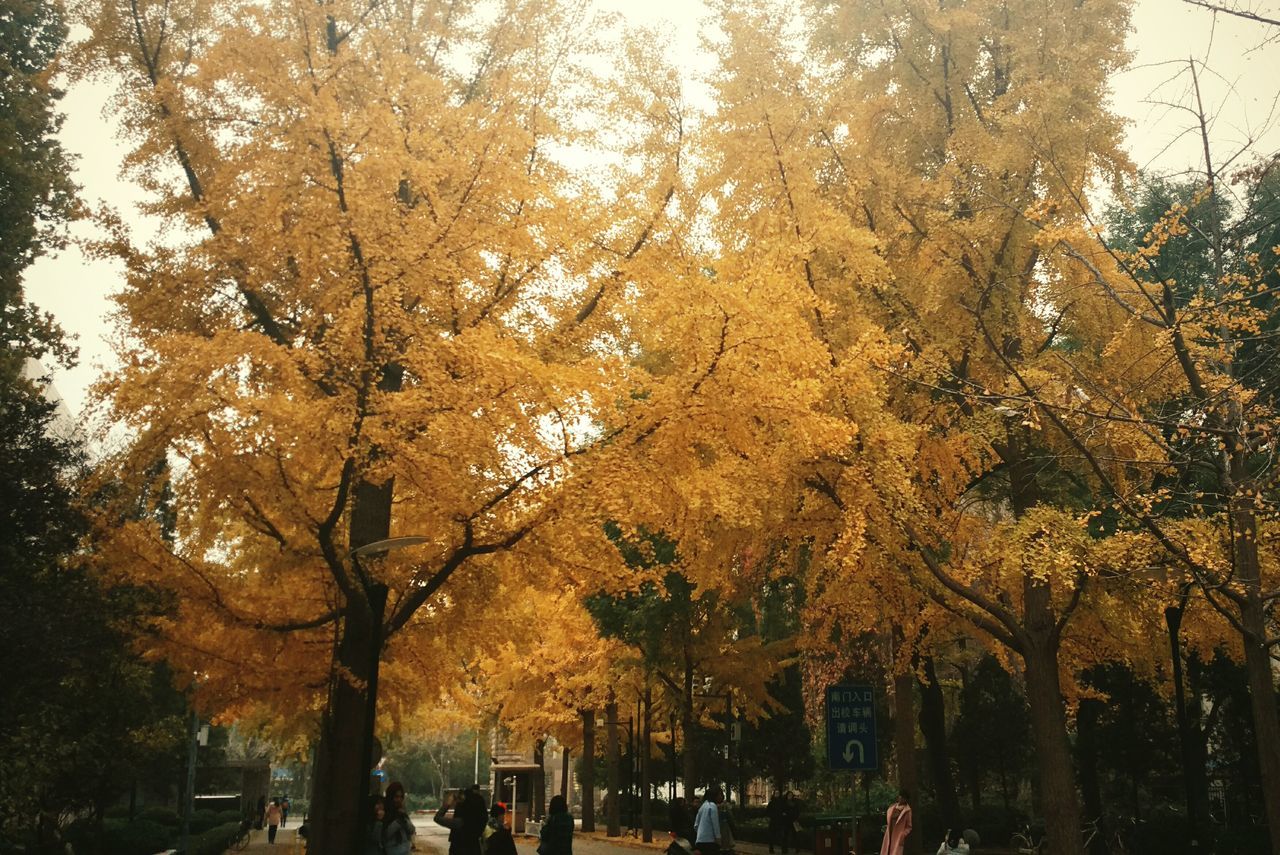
(193,745)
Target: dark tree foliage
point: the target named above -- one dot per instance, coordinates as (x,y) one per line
(36,192)
(1133,742)
(780,747)
(992,734)
(84,718)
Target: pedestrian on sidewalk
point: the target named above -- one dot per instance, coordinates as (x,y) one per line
(466,824)
(777,811)
(497,837)
(791,827)
(375,813)
(728,830)
(556,837)
(680,821)
(706,823)
(397,830)
(273,820)
(284,812)
(897,825)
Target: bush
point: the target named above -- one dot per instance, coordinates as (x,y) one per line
(203,820)
(225,816)
(160,816)
(1242,840)
(140,837)
(116,812)
(215,840)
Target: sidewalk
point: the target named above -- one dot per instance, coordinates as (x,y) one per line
(661,840)
(287,841)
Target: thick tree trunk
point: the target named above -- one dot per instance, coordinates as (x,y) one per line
(904,746)
(588,770)
(612,796)
(1257,661)
(343,763)
(342,780)
(1059,803)
(933,724)
(646,783)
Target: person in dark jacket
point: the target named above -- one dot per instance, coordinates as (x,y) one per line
(680,819)
(375,813)
(465,824)
(497,837)
(557,831)
(777,811)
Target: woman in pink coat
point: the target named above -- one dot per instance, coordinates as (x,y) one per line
(897,825)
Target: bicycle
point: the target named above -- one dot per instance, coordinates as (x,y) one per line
(240,839)
(1025,842)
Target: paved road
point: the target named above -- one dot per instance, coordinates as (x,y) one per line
(436,840)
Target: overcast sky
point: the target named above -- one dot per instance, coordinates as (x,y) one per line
(1242,92)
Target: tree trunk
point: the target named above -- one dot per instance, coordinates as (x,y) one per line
(1087,716)
(565,766)
(540,778)
(933,724)
(588,770)
(688,725)
(1190,773)
(904,745)
(342,763)
(1059,803)
(612,796)
(1257,660)
(342,781)
(646,784)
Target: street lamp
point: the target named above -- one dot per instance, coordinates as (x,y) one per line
(382,547)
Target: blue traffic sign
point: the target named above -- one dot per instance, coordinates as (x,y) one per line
(851,728)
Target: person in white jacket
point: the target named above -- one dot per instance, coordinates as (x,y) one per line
(953,844)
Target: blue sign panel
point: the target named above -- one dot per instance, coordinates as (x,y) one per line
(851,728)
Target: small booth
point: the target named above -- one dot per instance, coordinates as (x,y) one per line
(513,785)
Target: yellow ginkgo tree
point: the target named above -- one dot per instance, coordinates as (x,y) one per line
(382,308)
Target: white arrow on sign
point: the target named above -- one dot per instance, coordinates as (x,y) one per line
(848,751)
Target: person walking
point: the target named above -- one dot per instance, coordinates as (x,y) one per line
(284,812)
(273,820)
(791,822)
(679,820)
(897,825)
(397,830)
(374,815)
(706,824)
(556,837)
(728,830)
(777,812)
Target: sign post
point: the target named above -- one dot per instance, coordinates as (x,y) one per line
(851,737)
(851,729)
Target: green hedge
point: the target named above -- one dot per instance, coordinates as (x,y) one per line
(215,840)
(160,815)
(140,837)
